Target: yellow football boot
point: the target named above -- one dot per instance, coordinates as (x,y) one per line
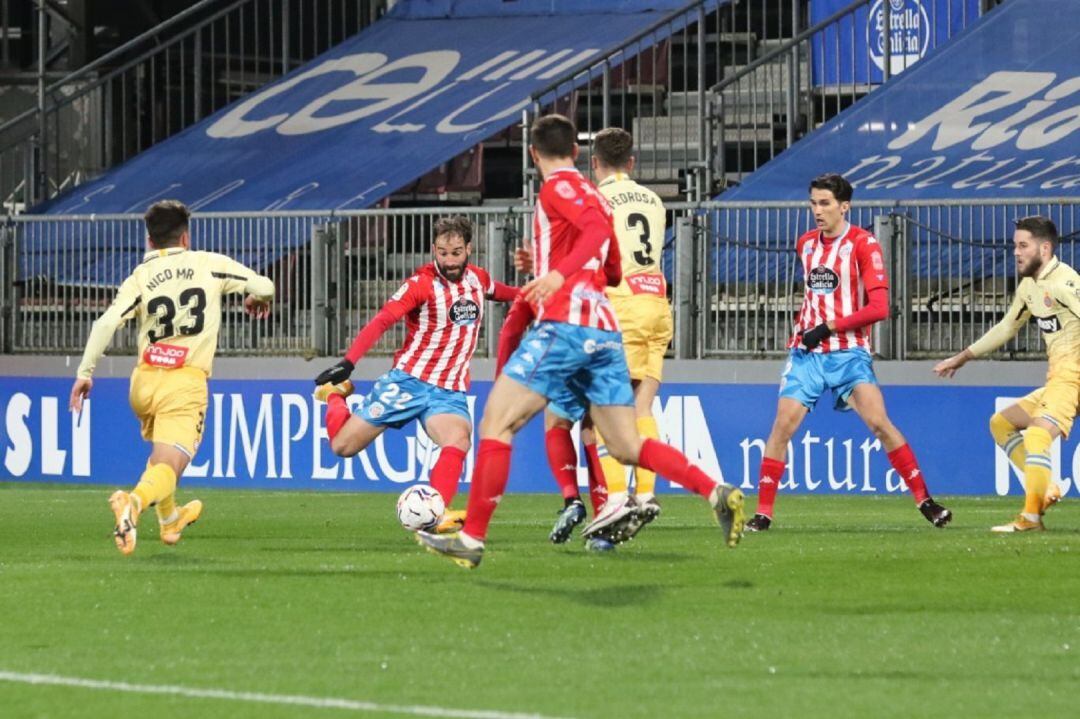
(127,519)
(1020,524)
(188,514)
(451,521)
(323,391)
(1053,496)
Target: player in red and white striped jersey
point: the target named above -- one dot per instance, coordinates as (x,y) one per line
(443,307)
(847,291)
(573,356)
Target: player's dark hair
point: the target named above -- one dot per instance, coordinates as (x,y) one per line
(454,225)
(553,136)
(166,221)
(1041,228)
(834,183)
(613,146)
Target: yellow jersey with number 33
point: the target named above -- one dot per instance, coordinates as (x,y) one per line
(640,222)
(176,295)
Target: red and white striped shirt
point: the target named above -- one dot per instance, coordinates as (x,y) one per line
(840,272)
(564,196)
(442,321)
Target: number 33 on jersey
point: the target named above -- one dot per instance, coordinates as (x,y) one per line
(176,295)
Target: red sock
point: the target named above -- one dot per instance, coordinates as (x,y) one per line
(337,413)
(597,483)
(562,458)
(489,482)
(446,473)
(772,470)
(669,462)
(903,461)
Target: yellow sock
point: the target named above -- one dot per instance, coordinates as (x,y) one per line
(1008,437)
(157,483)
(614,473)
(166,508)
(1037,443)
(646,478)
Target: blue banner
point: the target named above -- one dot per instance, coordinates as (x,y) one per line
(419,87)
(993,114)
(853,50)
(270,434)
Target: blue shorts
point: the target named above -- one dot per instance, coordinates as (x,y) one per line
(808,374)
(398,398)
(573,367)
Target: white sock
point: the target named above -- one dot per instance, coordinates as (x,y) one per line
(470,542)
(1030,517)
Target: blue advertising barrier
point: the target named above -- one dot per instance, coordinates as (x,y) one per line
(270,434)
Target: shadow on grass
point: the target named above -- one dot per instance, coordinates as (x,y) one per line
(616,595)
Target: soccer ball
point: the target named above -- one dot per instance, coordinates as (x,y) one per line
(420,507)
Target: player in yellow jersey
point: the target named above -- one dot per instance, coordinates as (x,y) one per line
(1049,292)
(176,295)
(641,306)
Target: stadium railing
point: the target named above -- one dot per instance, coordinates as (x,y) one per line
(716,89)
(732,266)
(159,83)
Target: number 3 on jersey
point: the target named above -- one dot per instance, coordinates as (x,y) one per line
(193,300)
(639,223)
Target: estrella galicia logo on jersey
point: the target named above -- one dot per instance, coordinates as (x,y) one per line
(464,312)
(822,280)
(1049,325)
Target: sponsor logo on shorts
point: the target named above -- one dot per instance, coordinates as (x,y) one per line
(822,280)
(1049,325)
(591,346)
(376,410)
(464,312)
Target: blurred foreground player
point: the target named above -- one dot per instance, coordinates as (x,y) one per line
(1049,291)
(443,307)
(847,291)
(573,355)
(176,295)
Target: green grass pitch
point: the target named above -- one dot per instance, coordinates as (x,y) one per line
(852,607)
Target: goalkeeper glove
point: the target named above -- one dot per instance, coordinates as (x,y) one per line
(336,374)
(812,338)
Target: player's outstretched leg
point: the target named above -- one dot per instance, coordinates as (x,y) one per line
(1037,481)
(466,548)
(867,401)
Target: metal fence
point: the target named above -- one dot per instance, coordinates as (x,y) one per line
(332,272)
(951,271)
(161,82)
(715,90)
(735,278)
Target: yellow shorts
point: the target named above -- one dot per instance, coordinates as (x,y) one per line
(170,405)
(647,328)
(1056,403)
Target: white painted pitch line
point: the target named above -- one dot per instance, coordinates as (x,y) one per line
(258,697)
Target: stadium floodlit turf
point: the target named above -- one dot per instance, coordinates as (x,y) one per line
(851,607)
